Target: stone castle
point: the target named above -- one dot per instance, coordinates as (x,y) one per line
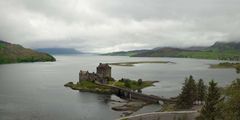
(102,76)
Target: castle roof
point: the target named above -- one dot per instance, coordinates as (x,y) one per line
(83,72)
(101,65)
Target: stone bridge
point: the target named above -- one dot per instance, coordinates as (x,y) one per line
(130,94)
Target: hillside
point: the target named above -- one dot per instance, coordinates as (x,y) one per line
(56,51)
(220,50)
(223,46)
(125,53)
(13,53)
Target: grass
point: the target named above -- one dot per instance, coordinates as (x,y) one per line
(168,107)
(227,54)
(88,86)
(134,85)
(130,64)
(223,55)
(2,45)
(119,84)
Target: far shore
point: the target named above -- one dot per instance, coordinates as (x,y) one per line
(131,64)
(225,65)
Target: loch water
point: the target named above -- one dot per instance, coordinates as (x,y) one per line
(35,91)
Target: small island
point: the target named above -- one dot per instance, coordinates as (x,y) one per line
(89,86)
(101,82)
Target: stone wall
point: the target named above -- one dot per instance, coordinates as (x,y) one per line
(85,75)
(140,96)
(175,115)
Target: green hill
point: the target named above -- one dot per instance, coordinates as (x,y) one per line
(225,46)
(12,53)
(125,53)
(220,51)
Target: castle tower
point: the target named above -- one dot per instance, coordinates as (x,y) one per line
(83,75)
(104,70)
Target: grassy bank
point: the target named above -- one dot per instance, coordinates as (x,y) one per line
(227,65)
(134,85)
(88,86)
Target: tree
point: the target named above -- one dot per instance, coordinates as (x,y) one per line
(127,84)
(232,103)
(238,70)
(210,110)
(201,91)
(140,81)
(188,95)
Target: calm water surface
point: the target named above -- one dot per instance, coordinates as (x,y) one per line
(35,91)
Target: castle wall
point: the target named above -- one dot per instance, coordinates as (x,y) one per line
(104,72)
(83,76)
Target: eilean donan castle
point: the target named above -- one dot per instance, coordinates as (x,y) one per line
(102,76)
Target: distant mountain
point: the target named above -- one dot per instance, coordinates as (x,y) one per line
(220,50)
(59,50)
(196,48)
(187,48)
(163,52)
(225,46)
(13,53)
(125,53)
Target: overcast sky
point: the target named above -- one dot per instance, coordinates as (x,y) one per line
(115,25)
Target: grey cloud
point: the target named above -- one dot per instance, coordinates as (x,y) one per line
(112,25)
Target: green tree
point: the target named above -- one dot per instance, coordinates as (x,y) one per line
(232,103)
(188,95)
(238,69)
(127,84)
(210,110)
(201,91)
(140,81)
